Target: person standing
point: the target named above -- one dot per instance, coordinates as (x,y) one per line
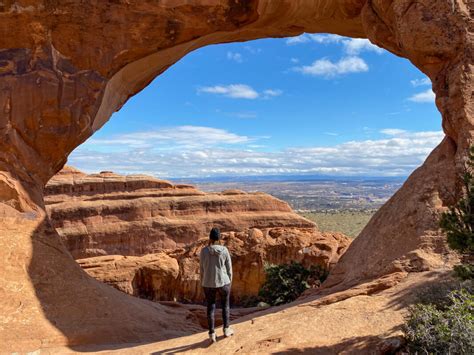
(216,278)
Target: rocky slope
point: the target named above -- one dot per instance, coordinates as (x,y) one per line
(143,235)
(106,214)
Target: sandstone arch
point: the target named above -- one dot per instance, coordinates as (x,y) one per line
(66,66)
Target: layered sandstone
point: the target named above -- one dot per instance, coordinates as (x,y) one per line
(175,275)
(143,235)
(107,214)
(66,66)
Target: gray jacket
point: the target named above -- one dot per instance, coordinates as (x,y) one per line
(215,266)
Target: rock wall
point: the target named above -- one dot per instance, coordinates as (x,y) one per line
(174,275)
(106,214)
(143,235)
(66,66)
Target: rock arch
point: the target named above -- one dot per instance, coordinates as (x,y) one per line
(65,67)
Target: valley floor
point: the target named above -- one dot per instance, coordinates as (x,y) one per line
(347,222)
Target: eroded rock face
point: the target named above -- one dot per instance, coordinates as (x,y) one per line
(143,235)
(106,214)
(66,66)
(174,275)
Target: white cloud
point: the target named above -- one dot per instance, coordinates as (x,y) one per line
(420,82)
(240,91)
(422,97)
(324,67)
(351,46)
(203,151)
(294,60)
(297,39)
(325,38)
(180,136)
(392,131)
(272,93)
(235,91)
(355,46)
(235,56)
(350,63)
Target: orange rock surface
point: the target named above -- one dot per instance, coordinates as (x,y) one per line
(66,66)
(175,275)
(143,235)
(104,214)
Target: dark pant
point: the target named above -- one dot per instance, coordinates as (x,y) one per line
(224,293)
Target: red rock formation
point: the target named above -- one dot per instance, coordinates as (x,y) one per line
(105,214)
(139,217)
(66,66)
(175,275)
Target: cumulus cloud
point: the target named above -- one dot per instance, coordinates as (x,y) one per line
(324,38)
(180,136)
(239,91)
(327,68)
(271,93)
(420,82)
(235,91)
(422,97)
(350,63)
(204,151)
(304,38)
(355,46)
(392,131)
(235,56)
(351,46)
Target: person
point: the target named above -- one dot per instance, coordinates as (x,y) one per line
(216,277)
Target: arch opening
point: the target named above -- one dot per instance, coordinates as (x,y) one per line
(217,118)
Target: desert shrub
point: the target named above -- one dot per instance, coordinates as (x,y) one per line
(464,271)
(249,301)
(285,282)
(430,329)
(437,293)
(458,221)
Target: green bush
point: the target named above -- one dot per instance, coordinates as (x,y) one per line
(249,301)
(464,271)
(284,283)
(431,330)
(437,294)
(458,222)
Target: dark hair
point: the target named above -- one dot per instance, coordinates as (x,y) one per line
(215,234)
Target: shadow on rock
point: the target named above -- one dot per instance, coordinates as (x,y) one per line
(358,345)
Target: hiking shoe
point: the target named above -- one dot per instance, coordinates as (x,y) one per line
(228,332)
(212,337)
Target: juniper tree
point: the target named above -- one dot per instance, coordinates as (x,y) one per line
(458,221)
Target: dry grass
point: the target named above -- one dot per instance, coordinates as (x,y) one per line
(350,223)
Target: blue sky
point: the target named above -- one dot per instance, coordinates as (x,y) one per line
(312,104)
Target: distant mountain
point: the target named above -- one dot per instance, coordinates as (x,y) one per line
(281,178)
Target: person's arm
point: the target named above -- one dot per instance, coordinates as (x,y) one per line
(228,265)
(201,266)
